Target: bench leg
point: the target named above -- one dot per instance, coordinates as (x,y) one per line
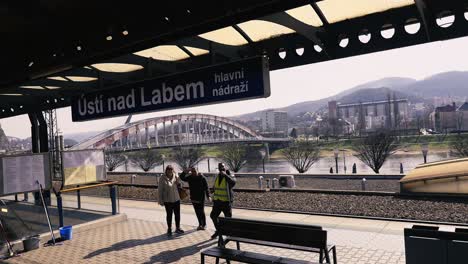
(334,255)
(327,257)
(228,261)
(321,256)
(217,260)
(238,245)
(202,261)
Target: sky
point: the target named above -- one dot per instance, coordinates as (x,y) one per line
(298,84)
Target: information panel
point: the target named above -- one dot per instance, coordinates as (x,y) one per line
(235,81)
(83,166)
(22,173)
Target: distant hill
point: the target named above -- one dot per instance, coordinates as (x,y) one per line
(78,137)
(312,106)
(447,84)
(377,94)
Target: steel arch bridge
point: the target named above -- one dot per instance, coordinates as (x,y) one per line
(175,130)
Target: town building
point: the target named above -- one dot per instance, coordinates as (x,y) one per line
(369,116)
(445,118)
(462,117)
(275,121)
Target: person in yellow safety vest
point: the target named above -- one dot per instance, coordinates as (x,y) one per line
(222,196)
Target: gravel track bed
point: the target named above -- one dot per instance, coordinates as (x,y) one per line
(301,183)
(434,209)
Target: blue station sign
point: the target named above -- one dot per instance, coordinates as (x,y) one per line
(235,81)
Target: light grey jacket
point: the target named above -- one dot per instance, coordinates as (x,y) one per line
(167,189)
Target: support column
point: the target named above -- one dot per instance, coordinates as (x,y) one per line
(172,132)
(138,137)
(146,135)
(34,132)
(187,132)
(164,132)
(192,130)
(179,130)
(156,136)
(211,131)
(43,147)
(222,131)
(200,133)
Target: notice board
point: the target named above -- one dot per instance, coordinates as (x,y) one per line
(21,173)
(83,166)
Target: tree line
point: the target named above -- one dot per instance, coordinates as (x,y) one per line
(373,150)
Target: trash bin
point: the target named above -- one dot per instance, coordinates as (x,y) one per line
(66,232)
(31,243)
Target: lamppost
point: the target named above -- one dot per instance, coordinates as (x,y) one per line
(126,163)
(336,151)
(163,157)
(425,149)
(263,154)
(344,160)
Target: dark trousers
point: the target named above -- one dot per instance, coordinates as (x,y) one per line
(200,212)
(170,209)
(219,207)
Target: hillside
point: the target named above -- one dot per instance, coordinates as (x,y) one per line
(447,84)
(78,137)
(377,94)
(454,84)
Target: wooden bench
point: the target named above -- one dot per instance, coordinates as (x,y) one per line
(285,235)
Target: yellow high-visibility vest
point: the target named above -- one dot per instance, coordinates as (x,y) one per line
(221,192)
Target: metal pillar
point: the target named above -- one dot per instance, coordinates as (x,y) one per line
(164,132)
(192,130)
(156,139)
(78,198)
(222,131)
(60,208)
(211,131)
(146,135)
(200,130)
(172,132)
(139,137)
(43,147)
(179,129)
(187,130)
(113,196)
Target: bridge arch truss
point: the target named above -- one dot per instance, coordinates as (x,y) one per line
(184,129)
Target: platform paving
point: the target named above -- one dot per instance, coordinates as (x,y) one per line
(142,238)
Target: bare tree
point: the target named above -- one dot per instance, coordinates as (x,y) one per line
(374,149)
(187,157)
(114,160)
(234,155)
(146,159)
(302,155)
(460,146)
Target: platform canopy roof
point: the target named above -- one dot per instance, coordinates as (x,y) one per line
(52,50)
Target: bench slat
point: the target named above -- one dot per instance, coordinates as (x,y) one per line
(250,257)
(271,244)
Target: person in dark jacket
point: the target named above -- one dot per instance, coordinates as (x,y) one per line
(223,195)
(198,191)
